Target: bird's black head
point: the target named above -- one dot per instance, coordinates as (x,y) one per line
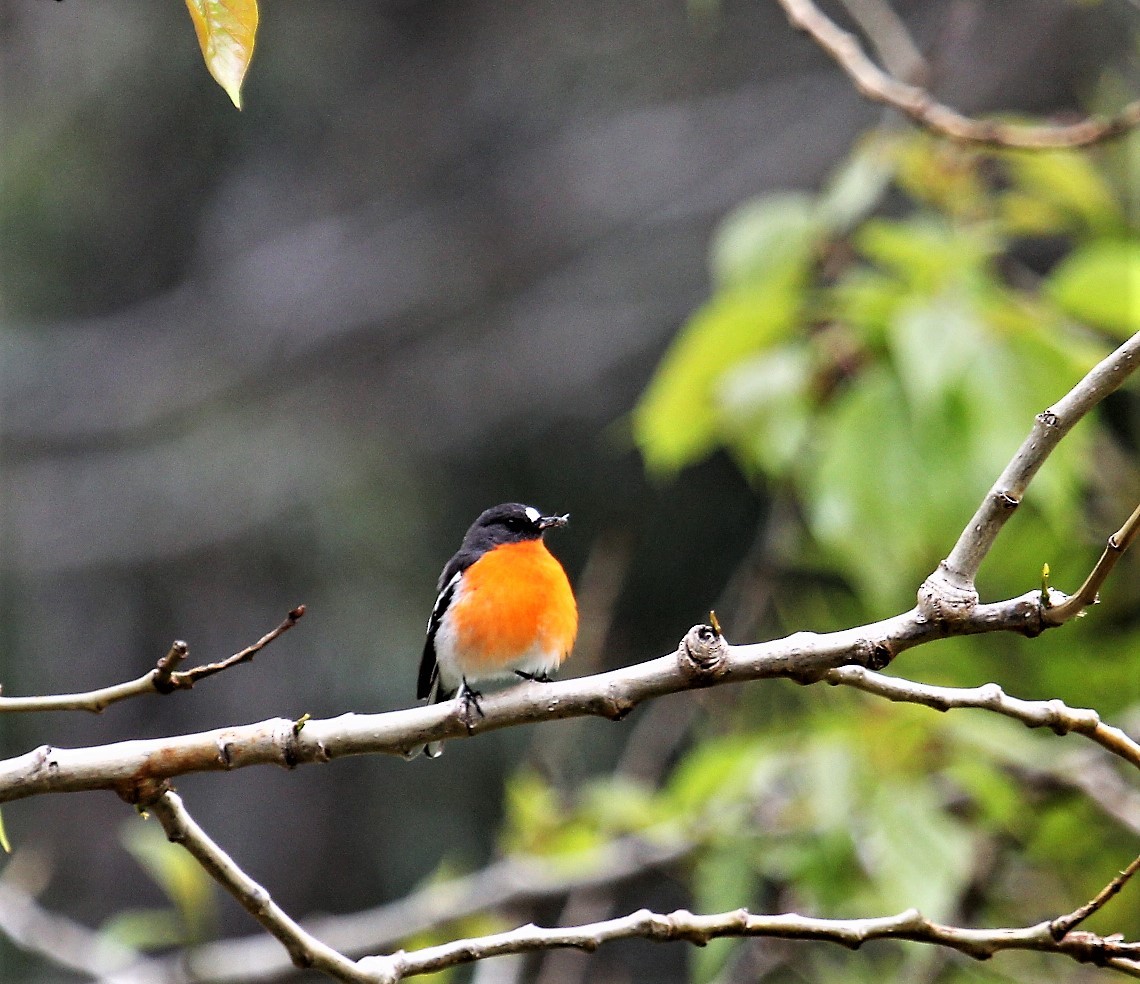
(510,522)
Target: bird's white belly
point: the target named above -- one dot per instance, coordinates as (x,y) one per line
(538,660)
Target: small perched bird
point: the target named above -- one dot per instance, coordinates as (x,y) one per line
(505,607)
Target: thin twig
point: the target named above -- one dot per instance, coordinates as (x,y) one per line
(1063,925)
(890,39)
(165,678)
(699,929)
(920,106)
(1086,595)
(186,679)
(1053,714)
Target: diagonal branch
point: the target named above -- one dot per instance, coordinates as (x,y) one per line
(185,679)
(305,950)
(1086,595)
(889,39)
(62,941)
(1063,925)
(951,587)
(165,678)
(921,107)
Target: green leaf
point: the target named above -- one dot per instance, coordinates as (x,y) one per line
(999,804)
(925,252)
(916,853)
(4,843)
(717,769)
(829,768)
(765,405)
(531,809)
(940,174)
(855,188)
(677,421)
(934,344)
(145,929)
(619,804)
(226,32)
(176,872)
(766,239)
(867,300)
(1068,182)
(868,460)
(1028,215)
(1100,284)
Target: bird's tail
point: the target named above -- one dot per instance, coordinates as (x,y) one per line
(433,749)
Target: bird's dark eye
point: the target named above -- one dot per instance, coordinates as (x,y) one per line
(514,524)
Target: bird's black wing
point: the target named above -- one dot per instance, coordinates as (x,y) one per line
(429,669)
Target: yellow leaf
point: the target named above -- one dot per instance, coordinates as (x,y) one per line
(226,33)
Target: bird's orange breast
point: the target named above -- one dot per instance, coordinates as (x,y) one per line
(516,599)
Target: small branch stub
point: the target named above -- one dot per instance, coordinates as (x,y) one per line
(703,654)
(167,665)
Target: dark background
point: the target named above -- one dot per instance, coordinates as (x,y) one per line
(286,355)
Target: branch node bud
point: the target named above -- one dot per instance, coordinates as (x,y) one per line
(703,654)
(946,596)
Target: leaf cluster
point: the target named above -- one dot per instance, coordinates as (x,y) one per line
(875,351)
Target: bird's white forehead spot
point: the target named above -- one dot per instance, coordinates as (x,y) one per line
(533,514)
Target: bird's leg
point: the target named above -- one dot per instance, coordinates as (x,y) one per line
(542,677)
(470,699)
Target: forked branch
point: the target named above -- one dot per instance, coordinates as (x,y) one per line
(164,678)
(921,107)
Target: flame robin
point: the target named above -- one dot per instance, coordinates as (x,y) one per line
(505,608)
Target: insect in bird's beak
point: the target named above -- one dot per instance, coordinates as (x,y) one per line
(553,521)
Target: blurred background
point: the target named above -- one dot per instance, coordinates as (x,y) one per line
(286,355)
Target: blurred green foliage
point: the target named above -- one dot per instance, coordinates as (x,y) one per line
(878,350)
(192,914)
(872,356)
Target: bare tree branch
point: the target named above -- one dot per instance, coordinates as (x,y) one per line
(59,940)
(682,925)
(703,659)
(137,770)
(920,106)
(889,39)
(1052,714)
(506,883)
(947,606)
(165,678)
(951,586)
(304,949)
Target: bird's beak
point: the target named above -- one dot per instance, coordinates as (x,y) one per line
(547,522)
